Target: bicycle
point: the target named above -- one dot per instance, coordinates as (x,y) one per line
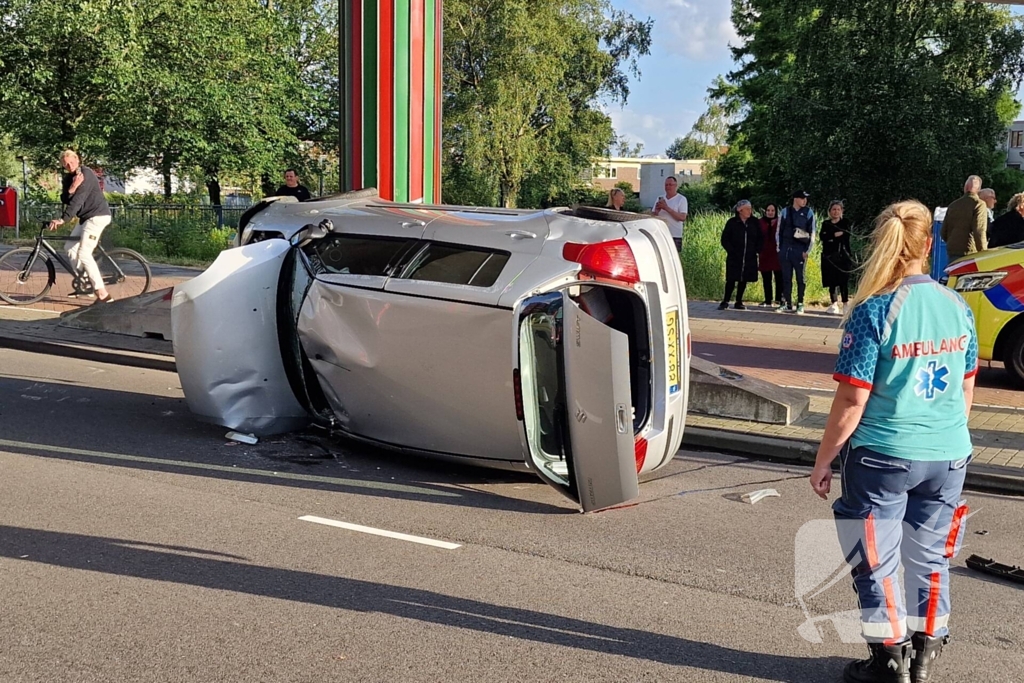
(27,273)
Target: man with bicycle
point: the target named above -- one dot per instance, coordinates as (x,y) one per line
(83,199)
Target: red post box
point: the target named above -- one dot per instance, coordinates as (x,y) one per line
(8,207)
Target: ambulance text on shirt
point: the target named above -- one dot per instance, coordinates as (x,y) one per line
(915,364)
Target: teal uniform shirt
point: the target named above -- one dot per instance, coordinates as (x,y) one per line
(912,348)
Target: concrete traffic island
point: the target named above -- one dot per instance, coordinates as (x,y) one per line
(147,315)
(721,392)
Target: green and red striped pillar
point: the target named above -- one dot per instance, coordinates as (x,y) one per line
(390,66)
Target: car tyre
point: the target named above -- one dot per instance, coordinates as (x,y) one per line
(1013,358)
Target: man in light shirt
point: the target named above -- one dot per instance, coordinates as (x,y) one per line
(671,208)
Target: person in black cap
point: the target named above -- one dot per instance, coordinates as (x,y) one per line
(795,238)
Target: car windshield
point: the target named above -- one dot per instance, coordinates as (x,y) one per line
(541,370)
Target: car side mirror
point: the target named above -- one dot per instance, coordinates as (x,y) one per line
(309,233)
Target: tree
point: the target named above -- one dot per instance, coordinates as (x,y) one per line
(523,84)
(870,101)
(65,69)
(215,91)
(688,147)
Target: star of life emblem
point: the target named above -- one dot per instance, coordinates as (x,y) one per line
(931,380)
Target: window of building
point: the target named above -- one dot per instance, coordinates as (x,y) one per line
(1013,166)
(1017,138)
(456,265)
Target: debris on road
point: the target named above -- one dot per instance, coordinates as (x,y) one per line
(755,496)
(982,532)
(1003,571)
(243,438)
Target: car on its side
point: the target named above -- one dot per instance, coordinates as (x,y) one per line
(992,284)
(555,340)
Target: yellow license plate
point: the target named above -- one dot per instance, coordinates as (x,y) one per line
(672,329)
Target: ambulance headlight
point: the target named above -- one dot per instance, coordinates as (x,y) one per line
(978,282)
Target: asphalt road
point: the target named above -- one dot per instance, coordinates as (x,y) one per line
(137,545)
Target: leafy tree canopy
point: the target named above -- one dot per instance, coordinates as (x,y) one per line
(523,85)
(870,101)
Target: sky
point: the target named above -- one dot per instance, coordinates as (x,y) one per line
(690,47)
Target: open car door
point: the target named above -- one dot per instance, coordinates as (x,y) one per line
(574,373)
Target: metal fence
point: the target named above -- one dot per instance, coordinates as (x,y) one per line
(152,218)
(191,232)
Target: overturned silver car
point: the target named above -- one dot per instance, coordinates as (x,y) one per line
(553,340)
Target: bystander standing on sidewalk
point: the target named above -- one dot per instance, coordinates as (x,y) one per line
(768,258)
(988,195)
(836,257)
(898,423)
(671,208)
(965,226)
(741,239)
(1009,227)
(292,187)
(616,199)
(795,239)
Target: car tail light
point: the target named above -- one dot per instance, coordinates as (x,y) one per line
(613,260)
(689,346)
(640,451)
(517,388)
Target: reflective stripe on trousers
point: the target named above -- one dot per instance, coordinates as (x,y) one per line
(893,510)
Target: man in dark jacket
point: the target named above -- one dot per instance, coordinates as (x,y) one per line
(965,226)
(795,239)
(741,239)
(292,187)
(83,199)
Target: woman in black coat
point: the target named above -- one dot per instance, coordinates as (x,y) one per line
(1008,228)
(741,239)
(836,256)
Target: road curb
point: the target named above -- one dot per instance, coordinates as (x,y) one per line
(90,353)
(987,478)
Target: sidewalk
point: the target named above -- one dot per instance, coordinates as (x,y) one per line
(799,352)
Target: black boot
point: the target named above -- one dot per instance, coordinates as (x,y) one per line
(724,305)
(926,653)
(887,664)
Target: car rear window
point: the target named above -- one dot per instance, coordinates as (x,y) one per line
(457,265)
(357,254)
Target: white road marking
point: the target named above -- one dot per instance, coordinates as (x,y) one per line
(379,532)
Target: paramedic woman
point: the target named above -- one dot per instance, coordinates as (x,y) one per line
(906,368)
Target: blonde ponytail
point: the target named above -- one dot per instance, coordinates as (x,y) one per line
(900,237)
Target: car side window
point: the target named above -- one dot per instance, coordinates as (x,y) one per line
(457,265)
(357,254)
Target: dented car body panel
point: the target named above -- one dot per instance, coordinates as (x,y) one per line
(224,325)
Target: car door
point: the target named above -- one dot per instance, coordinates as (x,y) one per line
(574,388)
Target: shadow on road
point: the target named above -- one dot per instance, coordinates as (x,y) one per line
(123,557)
(143,431)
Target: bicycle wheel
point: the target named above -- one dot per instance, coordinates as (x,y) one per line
(19,286)
(125,273)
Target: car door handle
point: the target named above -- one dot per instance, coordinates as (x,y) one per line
(413,224)
(620,418)
(521,235)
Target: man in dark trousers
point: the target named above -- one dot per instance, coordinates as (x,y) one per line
(292,188)
(795,238)
(965,227)
(83,199)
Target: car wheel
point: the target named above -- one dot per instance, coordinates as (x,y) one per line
(1013,358)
